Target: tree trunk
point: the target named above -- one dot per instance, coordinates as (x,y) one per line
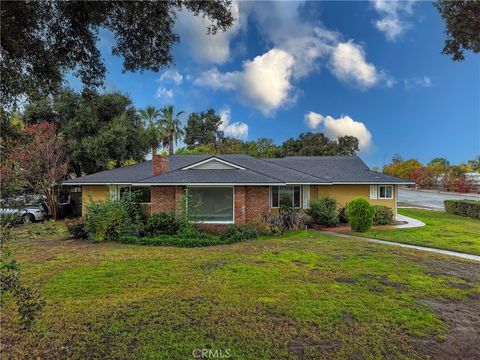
(170,143)
(52,203)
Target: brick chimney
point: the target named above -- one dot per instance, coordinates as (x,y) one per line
(159,164)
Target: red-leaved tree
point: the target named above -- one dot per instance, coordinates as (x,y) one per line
(41,159)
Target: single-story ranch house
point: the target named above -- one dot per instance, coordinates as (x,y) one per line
(239,188)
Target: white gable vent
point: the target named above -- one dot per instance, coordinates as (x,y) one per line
(213,164)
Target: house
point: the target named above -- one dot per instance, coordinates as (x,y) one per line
(239,188)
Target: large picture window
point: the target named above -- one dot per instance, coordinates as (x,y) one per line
(210,204)
(286,196)
(143,193)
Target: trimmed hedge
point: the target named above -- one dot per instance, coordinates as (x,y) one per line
(239,232)
(165,223)
(467,208)
(360,214)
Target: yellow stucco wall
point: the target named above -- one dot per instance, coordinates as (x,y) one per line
(346,193)
(93,193)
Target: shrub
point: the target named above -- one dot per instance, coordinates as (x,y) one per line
(324,211)
(286,220)
(343,214)
(199,240)
(467,208)
(383,215)
(76,228)
(360,214)
(165,223)
(238,232)
(107,221)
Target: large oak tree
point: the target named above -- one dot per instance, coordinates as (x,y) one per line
(43,41)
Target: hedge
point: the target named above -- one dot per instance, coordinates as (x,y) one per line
(468,208)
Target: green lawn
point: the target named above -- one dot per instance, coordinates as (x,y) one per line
(305,295)
(442,231)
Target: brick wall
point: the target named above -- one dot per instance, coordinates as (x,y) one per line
(159,164)
(239,205)
(257,202)
(166,198)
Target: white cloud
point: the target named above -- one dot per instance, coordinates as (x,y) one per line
(392,14)
(164,95)
(264,82)
(345,125)
(205,48)
(417,81)
(348,64)
(297,49)
(237,130)
(171,75)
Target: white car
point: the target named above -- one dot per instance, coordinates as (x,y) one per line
(27,214)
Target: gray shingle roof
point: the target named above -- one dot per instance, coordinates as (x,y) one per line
(289,170)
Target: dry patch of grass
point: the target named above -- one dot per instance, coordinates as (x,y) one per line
(304,295)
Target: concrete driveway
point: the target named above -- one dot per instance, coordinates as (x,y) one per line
(430,199)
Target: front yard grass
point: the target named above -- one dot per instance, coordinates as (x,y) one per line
(442,231)
(304,295)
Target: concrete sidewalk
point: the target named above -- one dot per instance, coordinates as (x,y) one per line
(408,246)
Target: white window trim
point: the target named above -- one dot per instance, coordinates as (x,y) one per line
(293,207)
(385,198)
(212,159)
(208,221)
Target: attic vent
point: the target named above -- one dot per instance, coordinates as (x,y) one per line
(214,164)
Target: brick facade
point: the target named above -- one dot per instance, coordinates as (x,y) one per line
(250,203)
(159,164)
(166,198)
(257,203)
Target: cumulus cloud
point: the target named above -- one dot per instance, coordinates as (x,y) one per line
(204,47)
(392,17)
(297,49)
(164,95)
(417,81)
(171,75)
(263,82)
(237,130)
(344,125)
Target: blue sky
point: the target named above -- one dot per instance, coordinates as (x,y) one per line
(369,69)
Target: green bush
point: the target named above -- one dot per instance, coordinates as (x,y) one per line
(285,220)
(238,232)
(467,208)
(360,214)
(107,221)
(343,214)
(76,227)
(165,223)
(324,211)
(199,240)
(383,215)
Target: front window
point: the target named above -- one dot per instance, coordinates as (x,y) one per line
(143,193)
(385,192)
(210,204)
(285,196)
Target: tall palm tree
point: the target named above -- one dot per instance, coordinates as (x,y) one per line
(150,116)
(171,124)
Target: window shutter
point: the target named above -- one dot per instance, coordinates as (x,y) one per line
(114,192)
(373,191)
(306,196)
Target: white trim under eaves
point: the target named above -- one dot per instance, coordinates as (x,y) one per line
(209,184)
(93,183)
(212,159)
(373,183)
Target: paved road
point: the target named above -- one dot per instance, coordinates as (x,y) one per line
(432,200)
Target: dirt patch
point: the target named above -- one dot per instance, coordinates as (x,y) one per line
(298,348)
(463,337)
(212,265)
(469,272)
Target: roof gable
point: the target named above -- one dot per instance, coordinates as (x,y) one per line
(213,163)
